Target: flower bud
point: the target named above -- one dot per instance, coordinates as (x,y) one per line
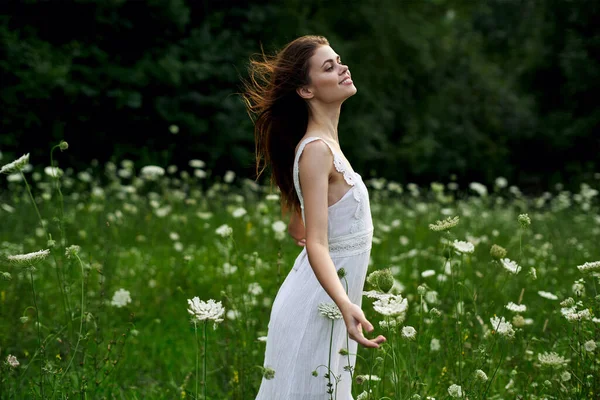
(497,252)
(524,220)
(63,145)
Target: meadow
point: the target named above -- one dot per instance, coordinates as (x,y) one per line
(482,292)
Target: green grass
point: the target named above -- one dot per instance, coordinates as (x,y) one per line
(157,240)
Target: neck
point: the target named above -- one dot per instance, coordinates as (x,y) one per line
(324,120)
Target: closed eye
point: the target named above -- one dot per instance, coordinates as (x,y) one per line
(330,68)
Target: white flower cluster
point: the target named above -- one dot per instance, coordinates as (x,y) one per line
(572,315)
(548,295)
(445,224)
(455,391)
(503,327)
(16,166)
(510,266)
(552,359)
(152,172)
(516,307)
(589,266)
(29,258)
(330,310)
(391,306)
(463,247)
(206,311)
(408,332)
(121,298)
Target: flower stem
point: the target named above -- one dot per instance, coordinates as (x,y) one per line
(197,354)
(37,313)
(205,323)
(81,316)
(329,362)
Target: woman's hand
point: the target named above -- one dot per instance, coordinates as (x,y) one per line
(296,229)
(355,320)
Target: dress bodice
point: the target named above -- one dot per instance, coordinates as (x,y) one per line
(349,224)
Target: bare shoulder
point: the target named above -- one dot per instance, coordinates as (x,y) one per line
(315,157)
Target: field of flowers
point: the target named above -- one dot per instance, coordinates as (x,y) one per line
(158,283)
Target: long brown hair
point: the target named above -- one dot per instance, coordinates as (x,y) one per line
(281,114)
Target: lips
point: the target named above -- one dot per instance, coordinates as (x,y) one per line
(347,77)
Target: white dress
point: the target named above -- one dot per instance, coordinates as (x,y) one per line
(298,335)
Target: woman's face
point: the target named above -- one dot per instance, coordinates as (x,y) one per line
(327,72)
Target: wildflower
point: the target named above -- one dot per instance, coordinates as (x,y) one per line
(578,288)
(552,359)
(6,276)
(573,316)
(224,230)
(547,295)
(330,310)
(589,266)
(16,166)
(435,312)
(524,220)
(503,327)
(72,251)
(341,273)
(497,252)
(29,258)
(421,290)
(393,306)
(510,266)
(53,172)
(589,346)
(272,197)
(360,379)
(197,163)
(565,376)
(444,225)
(229,176)
(501,182)
(481,376)
(121,298)
(518,321)
(516,307)
(409,332)
(63,145)
(200,173)
(268,373)
(435,344)
(391,324)
(382,279)
(533,272)
(343,352)
(206,311)
(455,390)
(12,361)
(239,212)
(363,396)
(569,302)
(463,247)
(174,129)
(479,188)
(152,171)
(427,273)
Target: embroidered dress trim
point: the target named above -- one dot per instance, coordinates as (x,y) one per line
(351,245)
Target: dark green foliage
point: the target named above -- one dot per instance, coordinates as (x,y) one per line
(475,89)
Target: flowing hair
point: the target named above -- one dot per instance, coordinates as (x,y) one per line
(279,114)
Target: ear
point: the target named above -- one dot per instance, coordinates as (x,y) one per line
(304,92)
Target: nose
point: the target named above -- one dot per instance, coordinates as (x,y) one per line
(344,69)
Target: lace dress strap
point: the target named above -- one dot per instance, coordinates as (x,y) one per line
(338,162)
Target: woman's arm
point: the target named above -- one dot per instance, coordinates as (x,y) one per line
(296,228)
(315,165)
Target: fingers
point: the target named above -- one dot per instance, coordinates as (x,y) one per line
(301,242)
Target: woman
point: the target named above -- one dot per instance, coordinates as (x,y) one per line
(297,99)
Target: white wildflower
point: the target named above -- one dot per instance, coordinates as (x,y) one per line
(516,307)
(481,376)
(435,344)
(510,266)
(29,258)
(589,266)
(455,390)
(427,273)
(16,166)
(121,298)
(503,327)
(197,163)
(547,295)
(53,172)
(152,171)
(360,379)
(330,310)
(224,230)
(408,332)
(444,225)
(552,359)
(229,176)
(589,346)
(479,188)
(239,212)
(206,311)
(393,306)
(463,247)
(12,361)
